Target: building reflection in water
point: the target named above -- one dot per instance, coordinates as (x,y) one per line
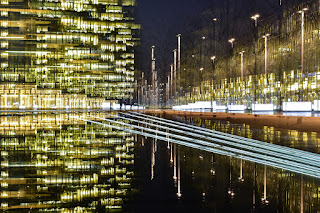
(235,184)
(272,189)
(59,163)
(308,141)
(56,162)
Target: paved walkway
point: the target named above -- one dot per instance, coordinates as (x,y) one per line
(302,123)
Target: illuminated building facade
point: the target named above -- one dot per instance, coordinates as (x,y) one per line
(74,51)
(271,63)
(290,86)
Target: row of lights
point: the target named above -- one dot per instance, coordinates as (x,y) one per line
(255,19)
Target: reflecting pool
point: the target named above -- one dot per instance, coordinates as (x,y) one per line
(58,162)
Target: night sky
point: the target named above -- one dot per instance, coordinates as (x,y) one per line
(161,21)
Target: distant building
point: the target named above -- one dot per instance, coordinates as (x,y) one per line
(66,54)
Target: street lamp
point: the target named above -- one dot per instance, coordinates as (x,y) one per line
(255,18)
(231,41)
(265,52)
(213,58)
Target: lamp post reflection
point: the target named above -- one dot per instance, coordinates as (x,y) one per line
(179,175)
(301,196)
(212,171)
(168,138)
(241,172)
(153,159)
(175,162)
(156,141)
(254,188)
(264,199)
(230,190)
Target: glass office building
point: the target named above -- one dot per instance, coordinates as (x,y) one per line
(66,54)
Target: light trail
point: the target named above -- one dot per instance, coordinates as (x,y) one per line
(266,161)
(229,143)
(296,162)
(256,143)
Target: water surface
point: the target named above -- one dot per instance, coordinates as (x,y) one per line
(57,162)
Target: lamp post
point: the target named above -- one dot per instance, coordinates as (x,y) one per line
(241,54)
(242,67)
(204,38)
(265,52)
(175,73)
(213,58)
(266,62)
(201,69)
(194,69)
(168,91)
(255,18)
(142,90)
(231,41)
(179,64)
(302,12)
(146,93)
(171,83)
(212,92)
(154,78)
